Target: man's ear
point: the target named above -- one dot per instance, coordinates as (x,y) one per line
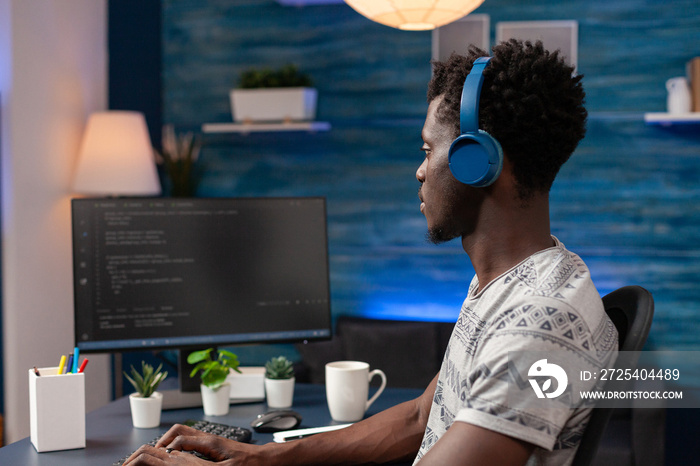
(506,180)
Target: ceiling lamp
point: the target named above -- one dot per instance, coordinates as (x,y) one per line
(414,15)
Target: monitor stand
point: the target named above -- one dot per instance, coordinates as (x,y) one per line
(188,395)
(177,399)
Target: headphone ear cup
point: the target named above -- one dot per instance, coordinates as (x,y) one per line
(476,159)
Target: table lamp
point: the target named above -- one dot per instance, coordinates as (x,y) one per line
(116,157)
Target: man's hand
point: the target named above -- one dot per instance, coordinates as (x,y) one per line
(151,456)
(392,435)
(180,438)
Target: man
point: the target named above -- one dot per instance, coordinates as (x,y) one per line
(529,294)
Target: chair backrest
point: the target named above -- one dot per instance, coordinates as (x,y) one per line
(631,309)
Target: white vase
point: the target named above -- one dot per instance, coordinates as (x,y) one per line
(273,104)
(145,412)
(216,402)
(279,392)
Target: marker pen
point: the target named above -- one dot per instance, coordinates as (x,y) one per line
(36,371)
(82,366)
(69,365)
(61,365)
(76,353)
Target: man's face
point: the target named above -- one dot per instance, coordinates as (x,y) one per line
(447,204)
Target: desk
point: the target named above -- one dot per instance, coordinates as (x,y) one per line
(110,435)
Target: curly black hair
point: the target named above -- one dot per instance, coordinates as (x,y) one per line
(531,102)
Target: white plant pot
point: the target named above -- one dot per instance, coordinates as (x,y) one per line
(145,412)
(280,392)
(216,401)
(273,104)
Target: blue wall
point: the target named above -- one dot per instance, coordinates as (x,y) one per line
(628,201)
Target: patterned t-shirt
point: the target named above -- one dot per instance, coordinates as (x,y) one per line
(546,304)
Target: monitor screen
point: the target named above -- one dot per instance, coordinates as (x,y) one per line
(171,273)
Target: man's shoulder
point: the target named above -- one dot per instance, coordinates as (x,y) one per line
(555,272)
(564,324)
(555,299)
(547,301)
(549,281)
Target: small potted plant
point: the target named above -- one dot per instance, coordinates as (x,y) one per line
(284,94)
(279,382)
(178,158)
(215,389)
(146,403)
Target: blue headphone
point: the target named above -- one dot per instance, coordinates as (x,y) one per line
(475,157)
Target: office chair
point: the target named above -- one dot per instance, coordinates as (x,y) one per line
(631,308)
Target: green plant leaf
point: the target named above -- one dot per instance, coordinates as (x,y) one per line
(197,356)
(228,354)
(286,76)
(132,381)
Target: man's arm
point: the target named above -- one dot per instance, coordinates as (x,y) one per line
(392,435)
(472,445)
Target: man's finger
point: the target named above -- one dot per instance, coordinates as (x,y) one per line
(173,432)
(147,455)
(186,442)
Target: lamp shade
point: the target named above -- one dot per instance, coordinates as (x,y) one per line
(116,156)
(414,15)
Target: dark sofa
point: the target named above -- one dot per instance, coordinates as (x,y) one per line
(409,353)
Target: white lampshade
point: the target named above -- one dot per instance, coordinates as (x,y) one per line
(414,15)
(116,156)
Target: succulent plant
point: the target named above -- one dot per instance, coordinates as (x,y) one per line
(279,368)
(179,157)
(148,380)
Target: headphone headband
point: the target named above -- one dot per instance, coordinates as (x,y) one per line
(469,106)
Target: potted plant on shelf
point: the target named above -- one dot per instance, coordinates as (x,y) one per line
(146,403)
(215,389)
(270,95)
(279,382)
(178,157)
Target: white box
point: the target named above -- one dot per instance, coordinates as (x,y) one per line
(56,410)
(459,35)
(249,385)
(555,35)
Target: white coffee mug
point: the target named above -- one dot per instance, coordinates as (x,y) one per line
(347,389)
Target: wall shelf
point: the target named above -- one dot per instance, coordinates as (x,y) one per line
(245,128)
(669,119)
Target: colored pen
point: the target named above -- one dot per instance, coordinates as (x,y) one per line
(69,365)
(76,353)
(36,371)
(61,365)
(82,366)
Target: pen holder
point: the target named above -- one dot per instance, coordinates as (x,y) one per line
(56,410)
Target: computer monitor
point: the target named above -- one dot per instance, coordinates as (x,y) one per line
(154,273)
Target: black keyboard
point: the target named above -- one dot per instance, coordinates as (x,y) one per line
(239,434)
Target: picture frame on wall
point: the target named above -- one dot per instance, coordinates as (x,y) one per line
(555,35)
(457,36)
